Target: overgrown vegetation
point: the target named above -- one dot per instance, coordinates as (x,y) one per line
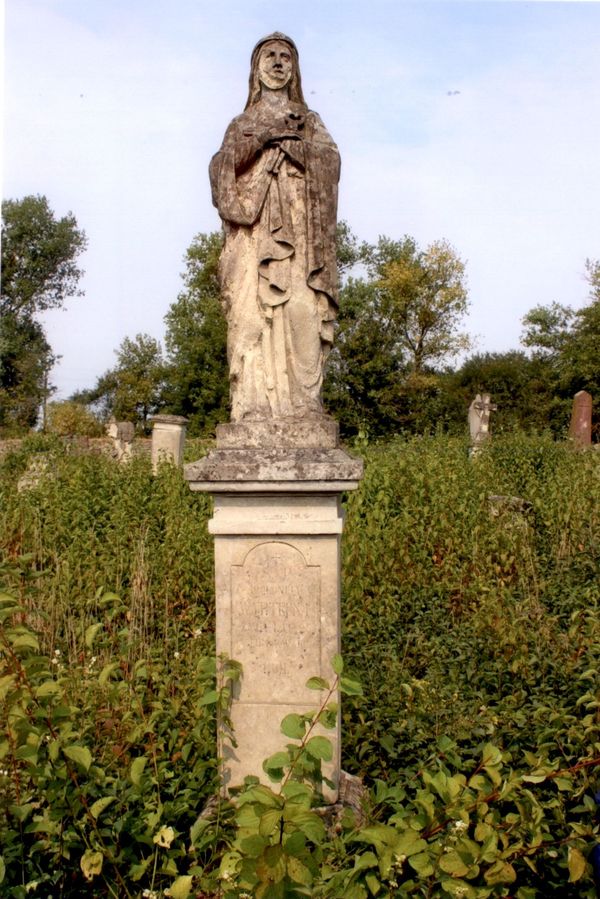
(470,616)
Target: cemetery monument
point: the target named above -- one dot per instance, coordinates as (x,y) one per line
(277,473)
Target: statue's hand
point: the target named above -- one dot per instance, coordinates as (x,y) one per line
(286,127)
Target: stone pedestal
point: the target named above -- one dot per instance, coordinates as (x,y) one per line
(277,526)
(168,439)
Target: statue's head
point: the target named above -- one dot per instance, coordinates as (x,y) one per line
(275,64)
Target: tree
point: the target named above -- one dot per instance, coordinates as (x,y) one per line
(424,298)
(133,389)
(396,327)
(567,340)
(39,272)
(39,254)
(518,386)
(25,360)
(69,419)
(196,341)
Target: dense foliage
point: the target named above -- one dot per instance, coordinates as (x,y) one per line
(133,389)
(39,271)
(470,615)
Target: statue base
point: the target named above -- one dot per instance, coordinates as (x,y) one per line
(277,525)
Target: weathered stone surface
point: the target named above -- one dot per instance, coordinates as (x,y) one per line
(274,468)
(277,590)
(122,434)
(277,472)
(168,439)
(580,429)
(479,421)
(315,431)
(274,182)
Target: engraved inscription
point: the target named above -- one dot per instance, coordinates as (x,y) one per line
(275,624)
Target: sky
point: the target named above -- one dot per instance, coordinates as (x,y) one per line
(475,122)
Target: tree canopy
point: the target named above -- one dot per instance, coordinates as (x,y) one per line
(397,323)
(39,272)
(133,389)
(39,256)
(196,341)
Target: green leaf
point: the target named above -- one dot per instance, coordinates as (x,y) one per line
(373,882)
(81,755)
(26,641)
(2,869)
(311,826)
(350,687)
(452,863)
(320,748)
(293,726)
(337,664)
(209,698)
(317,683)
(365,860)
(253,845)
(421,863)
(106,672)
(299,872)
(48,688)
(90,633)
(500,872)
(180,888)
(277,760)
(576,862)
(270,822)
(101,804)
(91,863)
(164,837)
(137,769)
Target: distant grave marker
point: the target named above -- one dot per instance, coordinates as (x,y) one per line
(122,434)
(168,439)
(479,421)
(580,429)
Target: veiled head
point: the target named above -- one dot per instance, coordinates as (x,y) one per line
(294,84)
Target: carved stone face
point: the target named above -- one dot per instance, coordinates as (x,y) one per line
(275,65)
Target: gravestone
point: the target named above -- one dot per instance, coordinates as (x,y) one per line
(278,472)
(122,434)
(580,429)
(168,440)
(479,421)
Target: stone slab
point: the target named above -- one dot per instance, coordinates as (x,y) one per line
(319,431)
(273,465)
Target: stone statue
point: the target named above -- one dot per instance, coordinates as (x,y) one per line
(274,182)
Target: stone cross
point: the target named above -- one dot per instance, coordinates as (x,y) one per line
(479,420)
(580,429)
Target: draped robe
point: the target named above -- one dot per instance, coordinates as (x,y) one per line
(278,274)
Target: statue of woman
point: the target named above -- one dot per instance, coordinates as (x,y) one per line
(274,182)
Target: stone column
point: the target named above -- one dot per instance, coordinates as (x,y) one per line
(277,526)
(168,439)
(580,429)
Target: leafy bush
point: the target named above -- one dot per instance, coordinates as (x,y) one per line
(69,419)
(473,624)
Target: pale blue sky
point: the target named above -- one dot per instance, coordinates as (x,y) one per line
(476,122)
